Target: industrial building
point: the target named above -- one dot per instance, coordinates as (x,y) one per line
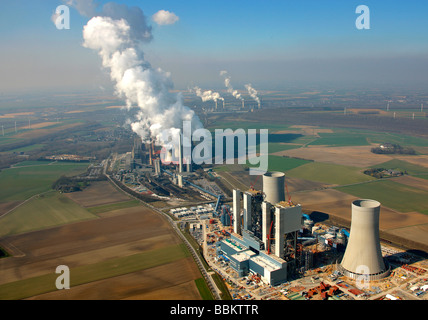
(265,228)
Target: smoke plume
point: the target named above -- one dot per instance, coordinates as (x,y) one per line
(229,87)
(206,95)
(253,93)
(118,35)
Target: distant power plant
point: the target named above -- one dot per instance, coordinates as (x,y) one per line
(363,255)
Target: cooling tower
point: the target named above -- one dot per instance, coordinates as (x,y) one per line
(363,256)
(274,187)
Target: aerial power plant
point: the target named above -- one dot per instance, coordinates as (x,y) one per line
(258,238)
(264,237)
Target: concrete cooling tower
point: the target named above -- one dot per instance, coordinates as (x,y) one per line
(363,256)
(274,187)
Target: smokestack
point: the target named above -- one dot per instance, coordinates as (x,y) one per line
(363,255)
(237,211)
(243,104)
(180,152)
(216,104)
(266,224)
(274,187)
(247,211)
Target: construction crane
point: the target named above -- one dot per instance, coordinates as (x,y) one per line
(254,182)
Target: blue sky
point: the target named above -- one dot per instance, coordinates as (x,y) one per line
(273,44)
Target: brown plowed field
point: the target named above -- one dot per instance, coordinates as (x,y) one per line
(173,281)
(97,194)
(360,156)
(131,231)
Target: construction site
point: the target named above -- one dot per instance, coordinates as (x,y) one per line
(262,243)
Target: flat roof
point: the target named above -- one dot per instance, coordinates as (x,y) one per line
(265,263)
(243,255)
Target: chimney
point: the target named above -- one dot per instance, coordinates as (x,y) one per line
(180,153)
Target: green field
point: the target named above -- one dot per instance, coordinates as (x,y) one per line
(354,137)
(203,289)
(401,165)
(114,206)
(277,147)
(282,164)
(21,183)
(246,125)
(402,140)
(94,272)
(341,139)
(28,148)
(44,211)
(32,163)
(391,194)
(329,173)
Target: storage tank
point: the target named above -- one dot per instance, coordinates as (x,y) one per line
(274,187)
(363,255)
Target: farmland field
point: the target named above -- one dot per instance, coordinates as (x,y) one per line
(341,139)
(402,165)
(21,183)
(403,198)
(329,173)
(99,193)
(282,164)
(44,211)
(131,255)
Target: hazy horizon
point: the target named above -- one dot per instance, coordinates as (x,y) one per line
(273,45)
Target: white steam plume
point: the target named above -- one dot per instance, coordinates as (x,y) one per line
(253,93)
(229,87)
(206,95)
(143,87)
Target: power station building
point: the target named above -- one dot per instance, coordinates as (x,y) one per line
(265,232)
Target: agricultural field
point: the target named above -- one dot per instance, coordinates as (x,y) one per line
(41,212)
(403,165)
(21,183)
(283,164)
(115,249)
(96,251)
(401,197)
(341,139)
(99,193)
(329,173)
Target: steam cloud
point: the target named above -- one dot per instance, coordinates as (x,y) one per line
(118,34)
(253,93)
(207,95)
(229,87)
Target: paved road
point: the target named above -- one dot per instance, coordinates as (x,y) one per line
(208,278)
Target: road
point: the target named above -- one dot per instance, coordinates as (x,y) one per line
(208,278)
